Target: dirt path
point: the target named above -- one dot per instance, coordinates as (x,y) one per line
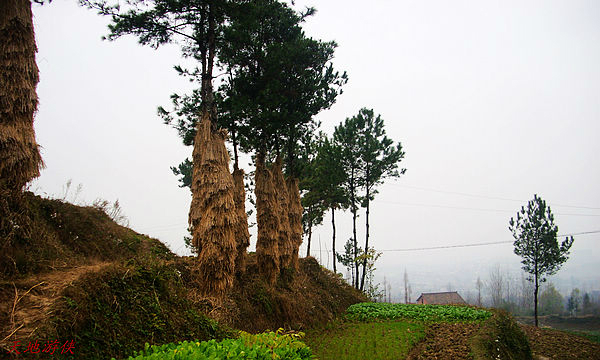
(32,299)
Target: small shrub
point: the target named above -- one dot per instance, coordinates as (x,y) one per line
(500,337)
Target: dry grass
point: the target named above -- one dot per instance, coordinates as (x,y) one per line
(242,235)
(313,297)
(20,159)
(281,192)
(267,218)
(295,217)
(213,217)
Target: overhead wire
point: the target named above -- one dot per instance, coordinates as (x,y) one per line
(469,208)
(476,244)
(487,197)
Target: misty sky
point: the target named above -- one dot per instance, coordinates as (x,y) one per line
(492,101)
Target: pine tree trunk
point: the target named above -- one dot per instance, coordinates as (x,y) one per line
(213,216)
(20,159)
(333,242)
(362,282)
(353,204)
(535,299)
(309,239)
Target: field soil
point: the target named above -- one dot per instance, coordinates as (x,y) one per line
(445,341)
(452,341)
(558,345)
(578,323)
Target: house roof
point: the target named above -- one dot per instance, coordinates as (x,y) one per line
(442,298)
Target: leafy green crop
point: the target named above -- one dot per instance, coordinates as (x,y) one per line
(370,311)
(271,345)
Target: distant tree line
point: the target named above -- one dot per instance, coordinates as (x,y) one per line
(515,295)
(344,175)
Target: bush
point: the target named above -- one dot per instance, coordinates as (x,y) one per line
(500,337)
(271,345)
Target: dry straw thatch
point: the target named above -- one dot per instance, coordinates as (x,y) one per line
(295,216)
(20,159)
(281,191)
(267,211)
(213,217)
(242,235)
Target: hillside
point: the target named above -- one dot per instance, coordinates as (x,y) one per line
(73,274)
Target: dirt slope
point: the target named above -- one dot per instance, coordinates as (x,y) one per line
(32,300)
(72,274)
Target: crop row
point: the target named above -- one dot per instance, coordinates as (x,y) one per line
(370,311)
(271,345)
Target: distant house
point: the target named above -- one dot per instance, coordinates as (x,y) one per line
(440,298)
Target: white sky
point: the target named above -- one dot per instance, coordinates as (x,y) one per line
(493,99)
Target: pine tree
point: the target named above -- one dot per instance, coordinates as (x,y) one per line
(536,243)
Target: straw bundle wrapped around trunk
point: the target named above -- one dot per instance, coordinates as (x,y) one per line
(213,217)
(242,235)
(295,216)
(20,159)
(281,192)
(267,249)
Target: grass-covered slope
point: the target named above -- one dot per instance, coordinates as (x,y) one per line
(73,274)
(312,295)
(116,310)
(39,235)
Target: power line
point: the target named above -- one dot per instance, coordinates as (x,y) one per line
(476,244)
(484,244)
(450,246)
(488,197)
(470,208)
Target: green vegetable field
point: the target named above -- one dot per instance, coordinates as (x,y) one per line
(270,345)
(369,330)
(370,311)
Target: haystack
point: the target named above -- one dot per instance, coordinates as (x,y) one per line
(213,217)
(281,192)
(20,159)
(295,217)
(267,211)
(242,235)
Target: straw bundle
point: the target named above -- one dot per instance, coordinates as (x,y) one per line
(295,216)
(267,249)
(213,217)
(241,230)
(281,192)
(20,159)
